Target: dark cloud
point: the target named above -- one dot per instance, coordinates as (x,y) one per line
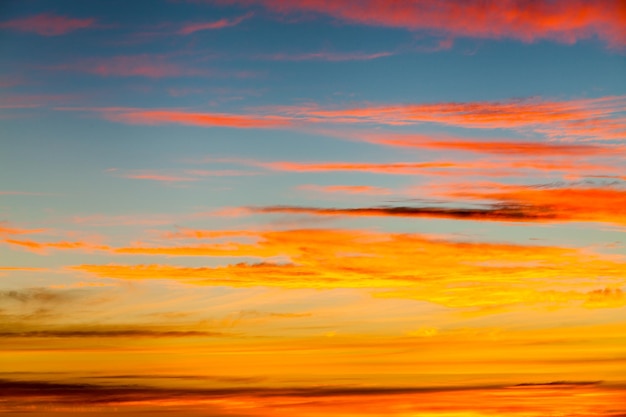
(558,383)
(36,295)
(94,394)
(68,333)
(495,212)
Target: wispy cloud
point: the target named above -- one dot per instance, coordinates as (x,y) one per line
(328,56)
(487,168)
(530,398)
(508,203)
(48,24)
(346,189)
(449,272)
(158,117)
(27,101)
(8,236)
(561,20)
(190,28)
(144,65)
(503,213)
(584,119)
(499,146)
(598,118)
(108,333)
(171,176)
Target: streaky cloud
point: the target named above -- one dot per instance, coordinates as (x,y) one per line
(48,24)
(564,21)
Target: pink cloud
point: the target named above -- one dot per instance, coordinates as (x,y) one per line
(329,56)
(190,28)
(150,66)
(47,24)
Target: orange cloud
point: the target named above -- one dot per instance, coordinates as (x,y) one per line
(465,168)
(583,203)
(497,147)
(598,118)
(190,28)
(157,117)
(188,175)
(7,230)
(512,203)
(566,21)
(451,273)
(156,176)
(41,247)
(7,237)
(48,24)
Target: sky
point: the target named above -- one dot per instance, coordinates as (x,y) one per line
(268,208)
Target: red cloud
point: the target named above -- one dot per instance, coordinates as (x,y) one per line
(48,24)
(565,21)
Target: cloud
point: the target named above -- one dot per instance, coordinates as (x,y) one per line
(329,56)
(47,24)
(42,247)
(19,269)
(348,189)
(35,295)
(156,176)
(107,333)
(570,397)
(505,147)
(159,117)
(565,21)
(29,101)
(574,203)
(168,176)
(190,28)
(5,229)
(585,119)
(452,273)
(513,203)
(494,213)
(144,65)
(464,168)
(597,118)
(607,297)
(7,237)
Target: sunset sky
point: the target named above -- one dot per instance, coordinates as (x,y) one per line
(307,208)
